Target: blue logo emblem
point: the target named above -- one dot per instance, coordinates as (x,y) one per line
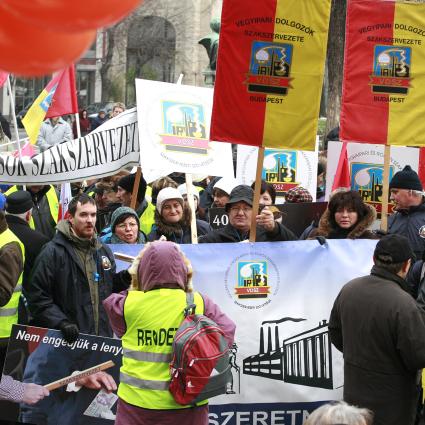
(368,180)
(184,127)
(391,69)
(280,169)
(269,68)
(252,279)
(47,101)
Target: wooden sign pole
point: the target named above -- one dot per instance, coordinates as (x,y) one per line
(191,202)
(256,202)
(385,188)
(136,188)
(124,257)
(84,373)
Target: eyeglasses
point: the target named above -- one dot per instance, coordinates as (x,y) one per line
(123,226)
(245,210)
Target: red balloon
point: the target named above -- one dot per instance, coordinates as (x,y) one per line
(71,15)
(34,51)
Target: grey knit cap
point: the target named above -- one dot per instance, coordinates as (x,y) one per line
(121,211)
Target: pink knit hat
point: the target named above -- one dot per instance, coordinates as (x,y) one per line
(162,266)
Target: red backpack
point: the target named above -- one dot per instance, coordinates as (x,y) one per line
(200,367)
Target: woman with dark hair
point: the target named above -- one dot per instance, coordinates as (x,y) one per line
(347,217)
(84,124)
(173,217)
(267,193)
(124,228)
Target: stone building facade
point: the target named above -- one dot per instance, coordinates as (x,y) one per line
(159,41)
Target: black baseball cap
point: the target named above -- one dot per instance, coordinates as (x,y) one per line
(393,249)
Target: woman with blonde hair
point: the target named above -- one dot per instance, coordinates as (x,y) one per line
(146,318)
(340,413)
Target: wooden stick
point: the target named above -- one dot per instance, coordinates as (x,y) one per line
(191,202)
(260,160)
(124,257)
(84,373)
(385,188)
(136,188)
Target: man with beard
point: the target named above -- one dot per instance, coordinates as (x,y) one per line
(74,274)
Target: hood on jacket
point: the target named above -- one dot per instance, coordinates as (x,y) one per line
(160,264)
(360,228)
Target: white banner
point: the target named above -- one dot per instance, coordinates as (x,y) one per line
(283,364)
(174,126)
(366,164)
(111,147)
(284,169)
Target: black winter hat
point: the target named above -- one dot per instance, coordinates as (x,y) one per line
(19,202)
(406,179)
(393,248)
(127,183)
(240,193)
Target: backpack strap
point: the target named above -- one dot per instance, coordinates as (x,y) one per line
(190,304)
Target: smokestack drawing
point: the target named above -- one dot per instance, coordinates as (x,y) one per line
(269,339)
(276,337)
(262,340)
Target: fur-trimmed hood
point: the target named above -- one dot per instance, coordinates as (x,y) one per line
(360,230)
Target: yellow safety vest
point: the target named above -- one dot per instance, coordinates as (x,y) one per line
(152,320)
(147,219)
(9,312)
(148,194)
(52,200)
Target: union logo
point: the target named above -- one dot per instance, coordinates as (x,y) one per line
(184,127)
(391,69)
(280,169)
(269,68)
(252,280)
(368,180)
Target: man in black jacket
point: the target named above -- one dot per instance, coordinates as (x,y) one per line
(18,213)
(409,217)
(74,274)
(380,330)
(239,209)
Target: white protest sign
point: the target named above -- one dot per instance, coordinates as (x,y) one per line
(105,151)
(366,164)
(174,126)
(283,168)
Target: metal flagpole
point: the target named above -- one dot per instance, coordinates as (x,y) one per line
(15,122)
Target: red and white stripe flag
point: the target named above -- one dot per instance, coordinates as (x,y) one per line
(65,198)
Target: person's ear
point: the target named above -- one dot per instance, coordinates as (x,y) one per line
(406,265)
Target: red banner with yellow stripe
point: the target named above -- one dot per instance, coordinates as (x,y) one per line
(384,73)
(270,72)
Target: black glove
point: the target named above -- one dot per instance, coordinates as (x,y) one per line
(69,331)
(321,240)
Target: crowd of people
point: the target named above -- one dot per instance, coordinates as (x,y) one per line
(62,275)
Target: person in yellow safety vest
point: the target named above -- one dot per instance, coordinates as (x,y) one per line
(146,318)
(46,208)
(12,258)
(144,209)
